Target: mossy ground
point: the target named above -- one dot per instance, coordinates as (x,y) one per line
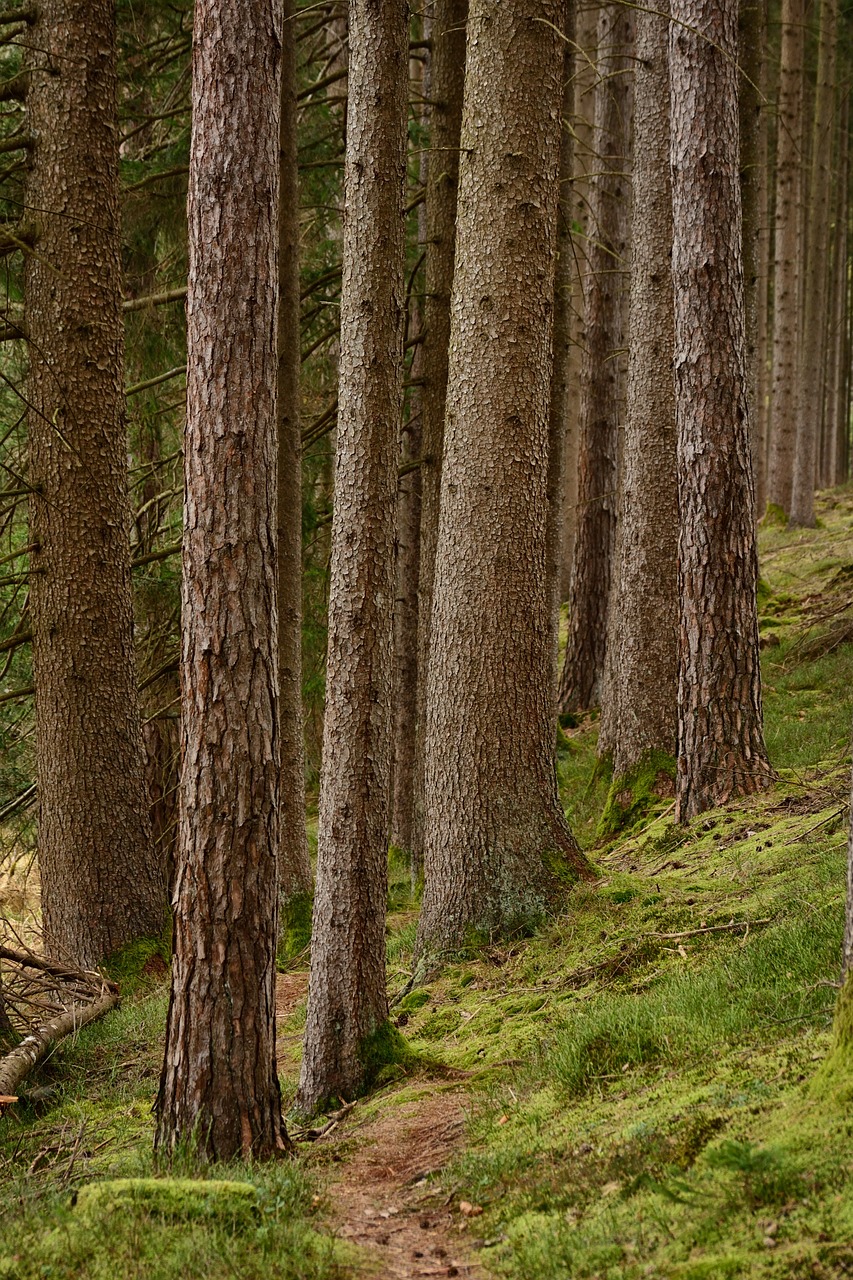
(651,1086)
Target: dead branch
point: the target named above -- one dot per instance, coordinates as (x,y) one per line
(17,1065)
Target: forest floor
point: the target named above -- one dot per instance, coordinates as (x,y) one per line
(639,1090)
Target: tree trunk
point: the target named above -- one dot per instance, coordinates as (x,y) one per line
(786,266)
(720,743)
(816,282)
(752,34)
(496,840)
(219,1081)
(583,666)
(837,391)
(101,880)
(644,633)
(294,866)
(347,1002)
(447,75)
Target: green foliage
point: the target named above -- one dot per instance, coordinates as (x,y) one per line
(294,928)
(636,795)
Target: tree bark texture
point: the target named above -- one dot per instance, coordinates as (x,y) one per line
(816,281)
(496,840)
(560,423)
(447,76)
(720,743)
(601,384)
(219,1081)
(294,864)
(102,881)
(643,630)
(752,35)
(786,266)
(347,1002)
(837,407)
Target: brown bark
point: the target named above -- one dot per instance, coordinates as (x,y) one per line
(102,882)
(447,74)
(583,666)
(219,1084)
(294,866)
(643,632)
(720,743)
(347,1002)
(496,840)
(752,35)
(816,281)
(837,408)
(763,337)
(786,267)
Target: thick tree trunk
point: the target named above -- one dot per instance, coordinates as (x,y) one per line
(816,282)
(219,1080)
(101,880)
(583,666)
(294,866)
(837,390)
(496,840)
(786,270)
(347,1002)
(447,75)
(752,35)
(644,632)
(720,744)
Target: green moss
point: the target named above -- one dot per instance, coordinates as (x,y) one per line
(139,961)
(294,928)
(635,795)
(172,1199)
(383,1054)
(774,515)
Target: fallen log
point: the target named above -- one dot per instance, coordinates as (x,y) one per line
(17,1065)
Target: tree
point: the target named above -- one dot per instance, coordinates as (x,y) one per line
(601,383)
(643,631)
(219,1084)
(347,1002)
(496,839)
(294,863)
(752,39)
(101,880)
(447,75)
(720,743)
(786,268)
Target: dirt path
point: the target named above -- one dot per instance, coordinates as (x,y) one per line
(380,1195)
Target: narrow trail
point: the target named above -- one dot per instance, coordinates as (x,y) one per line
(378,1188)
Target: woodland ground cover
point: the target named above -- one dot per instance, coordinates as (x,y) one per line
(645,1079)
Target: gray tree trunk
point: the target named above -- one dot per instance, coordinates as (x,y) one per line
(347,1002)
(496,840)
(721,749)
(102,881)
(219,1083)
(752,37)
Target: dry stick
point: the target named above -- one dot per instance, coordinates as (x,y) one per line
(20,1062)
(64,972)
(712,928)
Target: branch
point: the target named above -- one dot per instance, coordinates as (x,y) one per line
(18,1064)
(154,300)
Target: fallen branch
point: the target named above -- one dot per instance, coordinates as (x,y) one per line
(18,1064)
(29,960)
(713,928)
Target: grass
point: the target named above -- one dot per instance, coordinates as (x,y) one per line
(641,1104)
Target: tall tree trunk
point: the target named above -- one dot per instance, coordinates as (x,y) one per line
(560,423)
(347,1002)
(101,879)
(496,840)
(643,633)
(786,267)
(837,391)
(294,866)
(600,381)
(447,76)
(752,34)
(720,743)
(816,282)
(219,1080)
(764,334)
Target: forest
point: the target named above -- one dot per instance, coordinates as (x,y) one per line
(426,639)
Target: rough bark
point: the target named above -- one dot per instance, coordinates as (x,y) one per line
(447,75)
(102,882)
(219,1085)
(837,390)
(816,282)
(583,666)
(720,743)
(496,840)
(752,34)
(294,866)
(786,265)
(644,633)
(763,330)
(347,1002)
(560,422)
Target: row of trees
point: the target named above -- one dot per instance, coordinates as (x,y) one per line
(489,312)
